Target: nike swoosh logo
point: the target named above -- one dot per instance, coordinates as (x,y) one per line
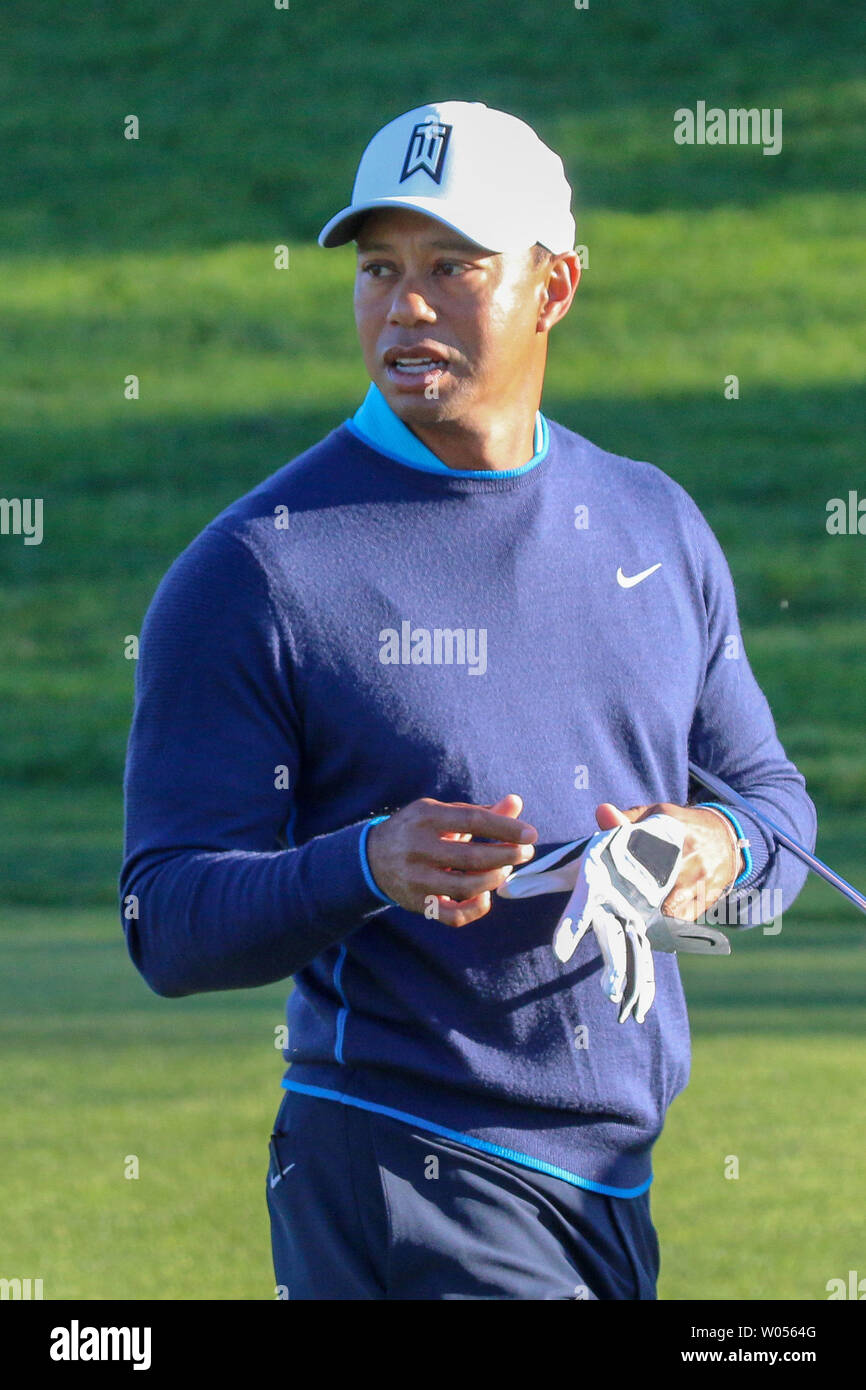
(629,583)
(280,1176)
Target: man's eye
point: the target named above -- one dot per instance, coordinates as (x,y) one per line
(378,269)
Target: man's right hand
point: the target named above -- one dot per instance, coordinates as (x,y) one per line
(428,859)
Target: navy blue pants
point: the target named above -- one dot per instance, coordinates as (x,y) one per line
(363,1206)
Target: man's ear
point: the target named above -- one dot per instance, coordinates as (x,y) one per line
(562,276)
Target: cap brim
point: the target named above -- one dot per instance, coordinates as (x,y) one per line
(344,226)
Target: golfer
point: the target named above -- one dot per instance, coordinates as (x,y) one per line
(449,637)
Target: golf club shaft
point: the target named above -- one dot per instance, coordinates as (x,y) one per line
(726,793)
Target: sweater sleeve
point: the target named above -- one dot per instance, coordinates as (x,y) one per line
(213,894)
(733,734)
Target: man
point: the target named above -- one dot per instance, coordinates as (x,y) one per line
(353,682)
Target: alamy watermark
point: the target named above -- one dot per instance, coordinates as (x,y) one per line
(853,1288)
(736,126)
(438,646)
(21,1289)
(77,1343)
(22,516)
(737,909)
(846,518)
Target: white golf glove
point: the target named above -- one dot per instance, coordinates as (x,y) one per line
(618,880)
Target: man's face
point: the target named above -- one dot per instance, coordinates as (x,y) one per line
(448,330)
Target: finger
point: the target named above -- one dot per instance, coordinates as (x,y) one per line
(645,968)
(510,805)
(471,857)
(629,994)
(575,921)
(611,938)
(461,887)
(641,988)
(486,824)
(609,816)
(567,937)
(454,914)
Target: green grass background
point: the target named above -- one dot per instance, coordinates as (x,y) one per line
(156,257)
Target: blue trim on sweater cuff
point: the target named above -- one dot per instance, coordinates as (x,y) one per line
(365,867)
(726,811)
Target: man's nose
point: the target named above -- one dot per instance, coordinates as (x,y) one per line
(409,306)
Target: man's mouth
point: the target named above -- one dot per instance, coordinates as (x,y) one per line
(415,366)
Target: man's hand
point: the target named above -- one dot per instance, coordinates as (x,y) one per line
(618,880)
(711,858)
(429,851)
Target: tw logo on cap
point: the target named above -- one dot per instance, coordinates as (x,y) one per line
(426,150)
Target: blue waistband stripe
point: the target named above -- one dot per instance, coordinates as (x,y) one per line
(481,1144)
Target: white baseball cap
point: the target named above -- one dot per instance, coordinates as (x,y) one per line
(482,172)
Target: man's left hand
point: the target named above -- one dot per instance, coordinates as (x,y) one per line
(711,859)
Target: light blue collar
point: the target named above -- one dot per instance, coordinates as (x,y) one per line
(376,424)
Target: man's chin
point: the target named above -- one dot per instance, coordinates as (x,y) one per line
(425,404)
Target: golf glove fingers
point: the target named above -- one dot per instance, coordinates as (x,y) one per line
(640,975)
(628,978)
(624,875)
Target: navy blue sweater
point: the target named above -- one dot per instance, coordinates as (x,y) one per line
(294,681)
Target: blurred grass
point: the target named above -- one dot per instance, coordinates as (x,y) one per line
(254,118)
(779,1084)
(155,257)
(97,1069)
